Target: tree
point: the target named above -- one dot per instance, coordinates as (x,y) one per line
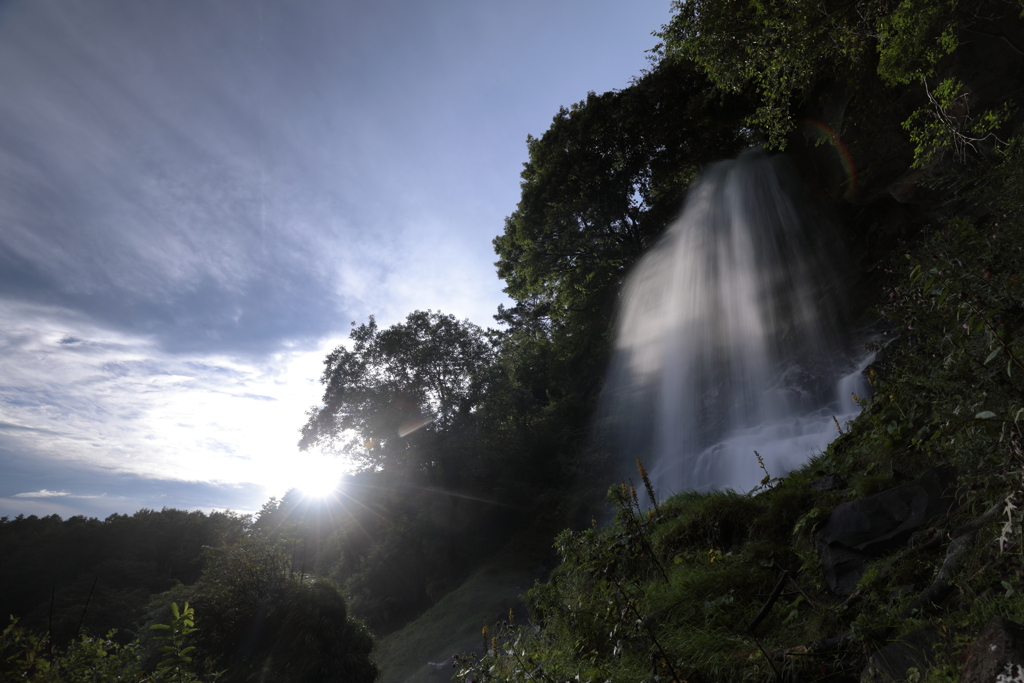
(604,181)
(113,565)
(600,186)
(425,375)
(790,52)
(264,621)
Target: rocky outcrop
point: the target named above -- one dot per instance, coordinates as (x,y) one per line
(918,650)
(832,482)
(863,530)
(997,654)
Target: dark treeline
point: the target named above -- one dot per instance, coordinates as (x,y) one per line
(115,564)
(261,613)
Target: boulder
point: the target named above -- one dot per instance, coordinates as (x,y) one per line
(997,655)
(918,650)
(832,482)
(863,530)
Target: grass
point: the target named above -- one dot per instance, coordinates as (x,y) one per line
(453,625)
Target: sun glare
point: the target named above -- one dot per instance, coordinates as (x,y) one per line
(318,476)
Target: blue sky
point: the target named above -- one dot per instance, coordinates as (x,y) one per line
(198,197)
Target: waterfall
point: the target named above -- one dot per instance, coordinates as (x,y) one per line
(732,335)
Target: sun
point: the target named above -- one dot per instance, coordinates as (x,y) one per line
(318,476)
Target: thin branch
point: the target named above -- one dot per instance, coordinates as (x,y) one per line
(995,335)
(1001,36)
(800,590)
(650,632)
(86,609)
(49,629)
(776,592)
(963,538)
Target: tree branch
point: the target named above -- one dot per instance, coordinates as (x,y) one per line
(963,539)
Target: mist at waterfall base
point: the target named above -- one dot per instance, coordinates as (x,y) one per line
(733,336)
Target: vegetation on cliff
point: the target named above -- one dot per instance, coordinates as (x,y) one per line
(730,586)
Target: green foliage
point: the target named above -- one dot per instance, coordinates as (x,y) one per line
(603,182)
(600,185)
(945,125)
(778,50)
(679,592)
(453,623)
(621,607)
(25,656)
(262,619)
(235,583)
(960,311)
(177,664)
(310,637)
(786,52)
(669,594)
(913,35)
(426,374)
(422,406)
(616,611)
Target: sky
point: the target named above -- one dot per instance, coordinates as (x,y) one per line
(198,198)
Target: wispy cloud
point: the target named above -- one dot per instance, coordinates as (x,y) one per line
(10,427)
(42,494)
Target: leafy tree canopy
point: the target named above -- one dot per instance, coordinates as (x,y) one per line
(604,181)
(427,373)
(783,49)
(263,621)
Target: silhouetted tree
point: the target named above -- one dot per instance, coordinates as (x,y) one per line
(394,388)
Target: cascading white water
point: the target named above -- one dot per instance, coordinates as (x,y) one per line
(731,335)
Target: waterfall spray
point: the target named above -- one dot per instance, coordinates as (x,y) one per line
(731,335)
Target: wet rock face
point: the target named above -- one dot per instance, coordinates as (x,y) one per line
(997,654)
(866,529)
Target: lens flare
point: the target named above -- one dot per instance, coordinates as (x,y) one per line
(845,158)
